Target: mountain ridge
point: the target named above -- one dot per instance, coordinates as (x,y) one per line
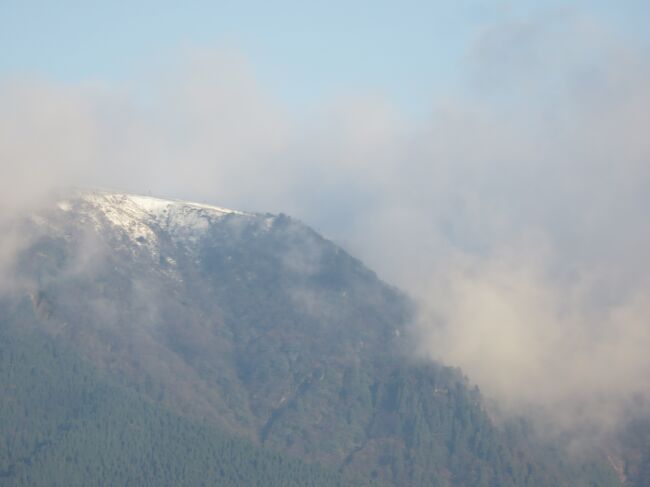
(267,330)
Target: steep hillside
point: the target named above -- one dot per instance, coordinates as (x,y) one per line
(260,327)
(63,423)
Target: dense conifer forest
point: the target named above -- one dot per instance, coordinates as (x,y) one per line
(251,351)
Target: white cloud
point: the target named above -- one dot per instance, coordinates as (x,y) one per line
(517,213)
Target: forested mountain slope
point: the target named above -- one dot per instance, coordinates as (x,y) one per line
(63,423)
(252,324)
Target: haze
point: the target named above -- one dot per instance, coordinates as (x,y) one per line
(489,158)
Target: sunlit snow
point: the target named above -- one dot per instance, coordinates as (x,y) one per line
(141,217)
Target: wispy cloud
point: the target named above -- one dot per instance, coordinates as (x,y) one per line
(516,213)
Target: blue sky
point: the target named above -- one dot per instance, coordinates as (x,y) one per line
(302,51)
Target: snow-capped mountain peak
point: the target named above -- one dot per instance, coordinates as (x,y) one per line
(141,218)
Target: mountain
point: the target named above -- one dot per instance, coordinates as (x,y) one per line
(149,341)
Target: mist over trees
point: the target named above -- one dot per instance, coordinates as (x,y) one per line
(168,338)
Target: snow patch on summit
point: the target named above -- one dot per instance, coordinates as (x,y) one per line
(141,218)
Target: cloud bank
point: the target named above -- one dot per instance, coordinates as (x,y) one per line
(515,213)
